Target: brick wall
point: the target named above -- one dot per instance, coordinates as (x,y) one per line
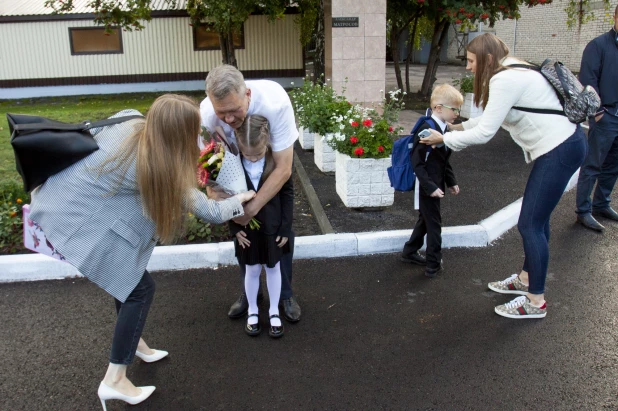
(542,33)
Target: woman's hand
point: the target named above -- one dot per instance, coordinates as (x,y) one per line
(281,241)
(454,127)
(246,196)
(216,193)
(433,139)
(454,190)
(241,236)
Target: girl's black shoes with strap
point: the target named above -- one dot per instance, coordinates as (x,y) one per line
(275,331)
(253,329)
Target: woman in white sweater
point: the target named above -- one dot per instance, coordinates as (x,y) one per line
(556,146)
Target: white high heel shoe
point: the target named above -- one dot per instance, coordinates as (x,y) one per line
(156,356)
(108,393)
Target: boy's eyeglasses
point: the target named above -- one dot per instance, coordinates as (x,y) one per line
(455,110)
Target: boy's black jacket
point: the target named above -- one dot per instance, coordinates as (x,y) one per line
(276,216)
(436,172)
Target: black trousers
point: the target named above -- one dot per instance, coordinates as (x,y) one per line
(286,272)
(430,223)
(132,316)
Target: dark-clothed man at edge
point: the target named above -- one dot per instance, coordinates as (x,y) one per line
(599,69)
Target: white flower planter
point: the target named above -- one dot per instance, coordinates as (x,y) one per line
(323,154)
(305,138)
(469,109)
(363,182)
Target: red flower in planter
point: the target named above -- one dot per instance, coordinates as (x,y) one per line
(390,129)
(367,123)
(381,149)
(359,151)
(355,124)
(484,16)
(353,140)
(457,21)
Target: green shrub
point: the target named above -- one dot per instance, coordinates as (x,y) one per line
(465,83)
(12,198)
(201,232)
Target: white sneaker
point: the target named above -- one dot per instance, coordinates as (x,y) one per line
(521,308)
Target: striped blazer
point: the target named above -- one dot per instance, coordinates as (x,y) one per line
(99,225)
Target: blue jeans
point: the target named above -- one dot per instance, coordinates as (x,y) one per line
(549,177)
(600,166)
(131,319)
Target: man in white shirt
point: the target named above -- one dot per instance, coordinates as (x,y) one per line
(229,100)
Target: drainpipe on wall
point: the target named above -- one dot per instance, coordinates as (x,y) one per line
(515,37)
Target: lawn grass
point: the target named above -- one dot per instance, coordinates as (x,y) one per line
(73,109)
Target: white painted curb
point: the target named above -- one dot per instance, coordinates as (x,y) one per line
(34,267)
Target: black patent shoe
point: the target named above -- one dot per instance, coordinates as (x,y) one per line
(253,329)
(275,332)
(588,221)
(291,309)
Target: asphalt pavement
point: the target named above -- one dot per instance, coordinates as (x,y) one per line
(375,334)
(491,176)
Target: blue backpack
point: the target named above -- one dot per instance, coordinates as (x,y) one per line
(401,172)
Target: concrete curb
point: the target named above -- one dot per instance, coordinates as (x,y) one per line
(34,267)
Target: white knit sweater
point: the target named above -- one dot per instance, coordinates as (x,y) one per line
(536,134)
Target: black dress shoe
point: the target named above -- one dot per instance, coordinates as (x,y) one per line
(415,258)
(240,306)
(432,272)
(253,329)
(275,332)
(291,309)
(608,213)
(588,221)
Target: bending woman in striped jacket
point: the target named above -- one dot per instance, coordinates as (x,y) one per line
(106,212)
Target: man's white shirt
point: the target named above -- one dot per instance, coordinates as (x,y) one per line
(268,99)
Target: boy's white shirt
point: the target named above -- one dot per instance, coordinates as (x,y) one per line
(268,99)
(536,134)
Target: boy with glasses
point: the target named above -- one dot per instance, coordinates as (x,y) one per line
(434,173)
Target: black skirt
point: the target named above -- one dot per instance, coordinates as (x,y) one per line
(263,249)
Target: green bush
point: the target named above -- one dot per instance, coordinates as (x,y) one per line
(317,106)
(465,83)
(12,198)
(201,232)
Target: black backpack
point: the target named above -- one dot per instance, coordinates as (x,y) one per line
(578,102)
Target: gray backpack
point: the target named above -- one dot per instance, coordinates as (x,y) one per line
(578,102)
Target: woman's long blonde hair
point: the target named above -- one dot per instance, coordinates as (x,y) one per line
(165,150)
(489,51)
(254,133)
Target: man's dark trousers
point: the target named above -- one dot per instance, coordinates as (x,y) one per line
(286,272)
(600,165)
(430,223)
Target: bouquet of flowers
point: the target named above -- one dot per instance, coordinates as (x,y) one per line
(220,165)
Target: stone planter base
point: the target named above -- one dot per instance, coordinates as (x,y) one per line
(305,138)
(323,155)
(468,109)
(363,182)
